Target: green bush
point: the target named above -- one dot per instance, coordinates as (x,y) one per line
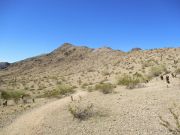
(105,87)
(127,80)
(132,81)
(12,94)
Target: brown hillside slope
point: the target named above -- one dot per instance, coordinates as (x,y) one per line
(78,65)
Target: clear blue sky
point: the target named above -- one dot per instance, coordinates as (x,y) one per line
(33,27)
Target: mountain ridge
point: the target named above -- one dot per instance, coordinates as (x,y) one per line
(79,64)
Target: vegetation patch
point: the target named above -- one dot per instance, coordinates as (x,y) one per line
(12,94)
(59,91)
(105,87)
(177,71)
(131,81)
(157,70)
(90,88)
(84,85)
(80,111)
(126,80)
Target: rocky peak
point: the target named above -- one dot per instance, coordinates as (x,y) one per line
(4,65)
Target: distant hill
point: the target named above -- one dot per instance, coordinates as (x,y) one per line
(4,65)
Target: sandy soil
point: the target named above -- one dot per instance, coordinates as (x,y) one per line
(128,112)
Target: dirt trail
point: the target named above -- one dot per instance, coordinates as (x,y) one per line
(31,123)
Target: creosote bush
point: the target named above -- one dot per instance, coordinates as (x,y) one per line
(105,87)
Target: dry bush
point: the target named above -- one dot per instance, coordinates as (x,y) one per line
(157,70)
(174,128)
(140,77)
(177,71)
(105,87)
(81,111)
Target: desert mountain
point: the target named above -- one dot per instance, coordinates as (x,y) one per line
(79,90)
(78,65)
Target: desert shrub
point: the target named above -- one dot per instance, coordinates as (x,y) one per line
(90,88)
(84,85)
(12,94)
(140,77)
(81,111)
(149,63)
(59,91)
(173,128)
(126,80)
(65,89)
(177,71)
(131,85)
(132,81)
(105,87)
(157,70)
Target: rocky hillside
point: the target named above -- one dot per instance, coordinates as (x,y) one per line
(98,87)
(76,66)
(4,65)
